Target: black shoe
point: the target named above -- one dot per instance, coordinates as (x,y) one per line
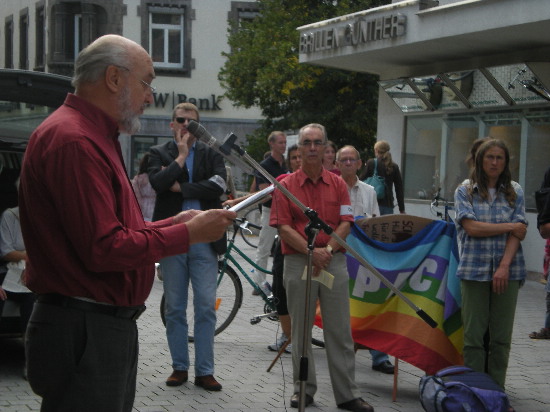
(356,405)
(384,367)
(295,400)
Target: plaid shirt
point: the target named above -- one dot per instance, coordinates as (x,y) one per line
(481,256)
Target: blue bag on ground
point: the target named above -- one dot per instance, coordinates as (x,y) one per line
(460,389)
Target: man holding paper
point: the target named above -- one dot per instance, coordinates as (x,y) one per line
(327,194)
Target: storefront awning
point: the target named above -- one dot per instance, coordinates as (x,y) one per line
(400,40)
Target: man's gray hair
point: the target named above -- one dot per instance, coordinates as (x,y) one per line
(92,61)
(314,126)
(339,152)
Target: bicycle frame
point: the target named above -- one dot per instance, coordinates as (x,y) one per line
(232,247)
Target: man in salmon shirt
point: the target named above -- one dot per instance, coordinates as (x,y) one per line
(327,194)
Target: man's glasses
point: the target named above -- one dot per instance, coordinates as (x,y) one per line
(315,143)
(153,89)
(348,160)
(182,120)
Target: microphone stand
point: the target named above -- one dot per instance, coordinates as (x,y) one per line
(312,229)
(315,224)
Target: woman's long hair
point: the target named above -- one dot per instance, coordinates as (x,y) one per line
(504,181)
(383,149)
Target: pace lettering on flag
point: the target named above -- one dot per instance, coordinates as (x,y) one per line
(423,268)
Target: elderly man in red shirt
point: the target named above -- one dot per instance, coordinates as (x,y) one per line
(91,254)
(327,194)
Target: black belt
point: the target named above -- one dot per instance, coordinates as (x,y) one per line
(126,312)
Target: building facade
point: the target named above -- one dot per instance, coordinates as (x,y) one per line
(184,37)
(451,71)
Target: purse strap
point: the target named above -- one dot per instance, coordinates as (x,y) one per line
(375,174)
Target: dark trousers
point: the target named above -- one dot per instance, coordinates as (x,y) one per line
(81,361)
(279,291)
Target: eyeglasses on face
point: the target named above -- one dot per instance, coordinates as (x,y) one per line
(182,120)
(153,89)
(308,142)
(348,160)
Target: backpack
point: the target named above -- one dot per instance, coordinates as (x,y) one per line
(378,182)
(460,389)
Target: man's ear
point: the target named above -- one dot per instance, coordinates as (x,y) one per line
(113,78)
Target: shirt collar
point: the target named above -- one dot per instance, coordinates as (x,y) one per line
(105,124)
(302,177)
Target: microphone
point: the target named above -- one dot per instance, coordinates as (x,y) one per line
(224,149)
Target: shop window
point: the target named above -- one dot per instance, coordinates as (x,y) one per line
(167,30)
(537,125)
(437,146)
(8,43)
(422,157)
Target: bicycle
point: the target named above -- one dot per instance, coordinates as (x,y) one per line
(434,205)
(229,292)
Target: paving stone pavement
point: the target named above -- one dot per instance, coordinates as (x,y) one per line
(242,359)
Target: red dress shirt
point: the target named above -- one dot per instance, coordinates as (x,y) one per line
(82,226)
(329,197)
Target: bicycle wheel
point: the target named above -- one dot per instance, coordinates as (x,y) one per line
(252,238)
(229,298)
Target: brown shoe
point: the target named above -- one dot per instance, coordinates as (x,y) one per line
(208,382)
(177,378)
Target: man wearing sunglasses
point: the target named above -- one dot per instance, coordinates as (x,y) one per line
(187,174)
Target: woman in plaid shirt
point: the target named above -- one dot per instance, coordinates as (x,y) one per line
(491,223)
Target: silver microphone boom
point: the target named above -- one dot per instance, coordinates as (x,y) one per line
(202,134)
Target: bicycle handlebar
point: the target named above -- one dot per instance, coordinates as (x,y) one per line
(245,223)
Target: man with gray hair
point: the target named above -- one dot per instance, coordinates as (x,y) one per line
(326,193)
(364,204)
(91,254)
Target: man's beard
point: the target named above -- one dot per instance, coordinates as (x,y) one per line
(129,121)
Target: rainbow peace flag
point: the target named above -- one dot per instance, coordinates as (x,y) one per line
(423,268)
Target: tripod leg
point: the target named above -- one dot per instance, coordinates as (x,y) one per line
(283,347)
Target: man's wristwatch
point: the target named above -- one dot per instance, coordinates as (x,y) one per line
(329,248)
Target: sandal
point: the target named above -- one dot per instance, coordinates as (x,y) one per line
(544,333)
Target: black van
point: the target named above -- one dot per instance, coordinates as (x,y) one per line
(26,99)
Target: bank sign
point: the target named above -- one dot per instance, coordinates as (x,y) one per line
(358,32)
(206,103)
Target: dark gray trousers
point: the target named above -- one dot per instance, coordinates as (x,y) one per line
(81,361)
